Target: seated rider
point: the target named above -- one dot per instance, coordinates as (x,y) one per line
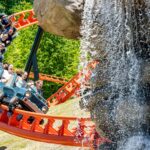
(12,32)
(21,81)
(5,66)
(6,22)
(2,51)
(1,22)
(7,74)
(4,38)
(1,15)
(1,28)
(7,30)
(30,84)
(39,85)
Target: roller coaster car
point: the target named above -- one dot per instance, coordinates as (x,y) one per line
(21,98)
(31,100)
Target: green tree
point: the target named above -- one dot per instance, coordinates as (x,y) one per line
(11,6)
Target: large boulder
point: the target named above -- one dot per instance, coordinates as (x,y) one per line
(60,17)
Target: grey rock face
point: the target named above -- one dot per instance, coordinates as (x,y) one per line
(60,17)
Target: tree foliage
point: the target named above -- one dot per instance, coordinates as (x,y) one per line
(56,55)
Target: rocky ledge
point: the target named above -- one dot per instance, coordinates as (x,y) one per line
(60,17)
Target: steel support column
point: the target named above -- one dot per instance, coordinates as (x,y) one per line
(32,57)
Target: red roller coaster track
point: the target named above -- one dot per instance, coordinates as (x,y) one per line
(50,78)
(58,130)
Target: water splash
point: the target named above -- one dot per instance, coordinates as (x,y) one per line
(136,143)
(117,32)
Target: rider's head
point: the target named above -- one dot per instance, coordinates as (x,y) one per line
(10,69)
(24,75)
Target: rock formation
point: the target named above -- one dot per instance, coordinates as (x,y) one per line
(60,17)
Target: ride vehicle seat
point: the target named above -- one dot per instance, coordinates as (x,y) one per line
(29,100)
(39,101)
(8,90)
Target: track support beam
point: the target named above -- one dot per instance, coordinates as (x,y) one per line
(32,60)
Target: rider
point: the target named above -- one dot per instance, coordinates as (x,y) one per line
(21,81)
(4,38)
(1,28)
(7,74)
(2,51)
(39,85)
(6,22)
